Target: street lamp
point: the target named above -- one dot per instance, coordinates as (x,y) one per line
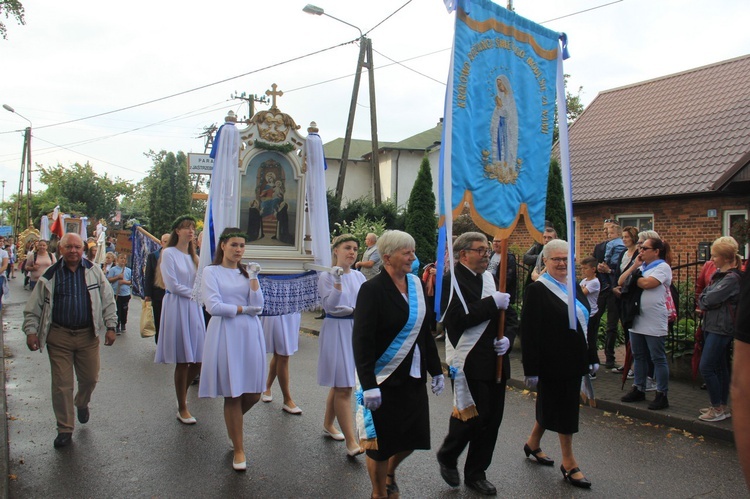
(25,170)
(365,52)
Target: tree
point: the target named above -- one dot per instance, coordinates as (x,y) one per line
(79,190)
(555,210)
(11,8)
(574,108)
(170,190)
(420,214)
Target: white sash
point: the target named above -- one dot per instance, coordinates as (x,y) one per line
(464,407)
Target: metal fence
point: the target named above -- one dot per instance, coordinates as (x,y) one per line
(685,270)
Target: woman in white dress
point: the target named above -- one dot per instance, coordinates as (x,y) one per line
(234,356)
(182,330)
(282,340)
(338,292)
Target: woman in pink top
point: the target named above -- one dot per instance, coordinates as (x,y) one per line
(38,262)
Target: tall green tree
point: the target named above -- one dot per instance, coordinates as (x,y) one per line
(420,214)
(170,190)
(555,210)
(573,107)
(78,189)
(11,8)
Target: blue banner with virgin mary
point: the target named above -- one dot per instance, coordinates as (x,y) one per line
(499,118)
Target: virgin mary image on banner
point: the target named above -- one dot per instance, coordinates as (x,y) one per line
(269,201)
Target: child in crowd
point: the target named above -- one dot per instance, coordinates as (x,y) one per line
(120,276)
(109,262)
(591,287)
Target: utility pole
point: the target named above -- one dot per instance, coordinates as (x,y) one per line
(2,209)
(251,99)
(365,60)
(25,170)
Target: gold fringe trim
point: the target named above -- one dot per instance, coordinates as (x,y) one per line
(465,414)
(369,444)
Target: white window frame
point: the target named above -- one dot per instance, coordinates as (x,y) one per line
(726,226)
(638,216)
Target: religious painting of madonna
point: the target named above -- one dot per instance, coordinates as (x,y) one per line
(268,208)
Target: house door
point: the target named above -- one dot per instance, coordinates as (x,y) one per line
(730,217)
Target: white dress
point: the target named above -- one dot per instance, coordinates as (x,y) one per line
(182,329)
(234,356)
(282,333)
(336,357)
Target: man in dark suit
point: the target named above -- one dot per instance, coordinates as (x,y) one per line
(152,292)
(472,354)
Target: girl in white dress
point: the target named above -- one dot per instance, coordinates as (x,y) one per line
(338,291)
(234,356)
(182,330)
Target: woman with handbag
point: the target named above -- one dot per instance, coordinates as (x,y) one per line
(649,330)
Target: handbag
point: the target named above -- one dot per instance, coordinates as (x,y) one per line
(630,299)
(148,328)
(671,309)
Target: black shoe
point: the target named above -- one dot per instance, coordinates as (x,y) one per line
(609,365)
(580,482)
(634,395)
(450,475)
(543,460)
(196,380)
(392,488)
(660,402)
(63,439)
(83,414)
(482,486)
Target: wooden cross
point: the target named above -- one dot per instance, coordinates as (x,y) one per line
(273,93)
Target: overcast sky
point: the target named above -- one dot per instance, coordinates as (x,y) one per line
(80,58)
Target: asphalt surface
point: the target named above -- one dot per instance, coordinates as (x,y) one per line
(133,446)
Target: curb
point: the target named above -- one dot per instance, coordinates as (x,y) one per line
(4,450)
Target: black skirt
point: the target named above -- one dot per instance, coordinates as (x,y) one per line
(557,404)
(402,422)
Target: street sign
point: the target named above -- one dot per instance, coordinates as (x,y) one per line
(6,230)
(202,164)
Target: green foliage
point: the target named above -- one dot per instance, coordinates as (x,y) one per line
(386,211)
(574,108)
(463,223)
(359,228)
(420,215)
(740,231)
(11,8)
(555,210)
(334,207)
(169,190)
(285,148)
(79,190)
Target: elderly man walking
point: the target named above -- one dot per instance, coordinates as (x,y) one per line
(71,305)
(371,263)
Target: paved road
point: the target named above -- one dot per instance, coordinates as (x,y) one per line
(134,447)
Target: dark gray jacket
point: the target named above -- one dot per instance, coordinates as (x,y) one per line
(718,301)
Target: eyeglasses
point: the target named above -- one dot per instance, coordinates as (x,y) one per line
(609,221)
(480,251)
(559,259)
(644,248)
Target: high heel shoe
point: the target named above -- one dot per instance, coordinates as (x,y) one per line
(583,483)
(543,460)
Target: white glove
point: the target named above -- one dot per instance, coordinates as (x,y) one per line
(253,269)
(438,384)
(372,398)
(501,345)
(593,368)
(531,381)
(502,300)
(248,310)
(337,272)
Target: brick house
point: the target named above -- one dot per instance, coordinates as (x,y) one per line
(670,154)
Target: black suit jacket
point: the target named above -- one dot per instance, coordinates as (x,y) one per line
(149,289)
(379,315)
(481,362)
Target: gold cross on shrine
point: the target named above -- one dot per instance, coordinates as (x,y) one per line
(274,93)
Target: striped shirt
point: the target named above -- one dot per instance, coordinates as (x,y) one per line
(72,305)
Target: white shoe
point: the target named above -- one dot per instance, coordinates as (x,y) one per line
(354,453)
(713,415)
(291,410)
(190,420)
(266,398)
(239,466)
(336,436)
(650,385)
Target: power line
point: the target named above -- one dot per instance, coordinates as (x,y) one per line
(410,69)
(581,11)
(196,88)
(384,20)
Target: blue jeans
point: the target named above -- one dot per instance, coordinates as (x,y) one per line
(714,367)
(642,346)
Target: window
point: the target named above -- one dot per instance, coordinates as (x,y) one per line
(640,221)
(730,218)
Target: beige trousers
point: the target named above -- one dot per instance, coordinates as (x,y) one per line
(71,349)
